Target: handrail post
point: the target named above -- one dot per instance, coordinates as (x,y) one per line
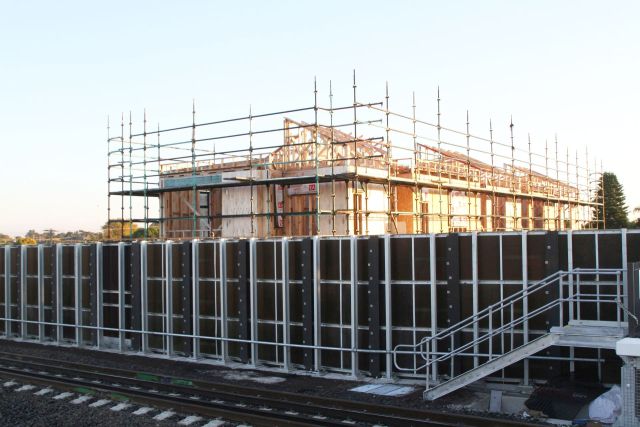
(561,300)
(578,295)
(625,272)
(452,371)
(630,290)
(511,323)
(426,349)
(490,333)
(618,299)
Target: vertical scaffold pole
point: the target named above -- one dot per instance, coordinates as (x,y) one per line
(356,179)
(514,225)
(108,179)
(416,205)
(130,177)
(468,139)
(355,128)
(122,175)
(144,176)
(333,176)
(577,199)
(440,170)
(559,225)
(493,180)
(530,210)
(315,149)
(546,187)
(161,220)
(602,195)
(196,201)
(388,158)
(569,192)
(587,192)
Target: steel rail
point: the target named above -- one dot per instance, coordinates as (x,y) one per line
(158,400)
(310,409)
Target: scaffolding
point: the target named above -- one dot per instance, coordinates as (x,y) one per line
(357,168)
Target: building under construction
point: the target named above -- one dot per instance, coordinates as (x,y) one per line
(339,170)
(451,294)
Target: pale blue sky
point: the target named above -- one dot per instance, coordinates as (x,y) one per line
(571,67)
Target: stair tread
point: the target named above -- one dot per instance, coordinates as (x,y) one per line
(599,331)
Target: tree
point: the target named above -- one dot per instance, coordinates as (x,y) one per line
(615,208)
(153,232)
(25,241)
(635,222)
(118,230)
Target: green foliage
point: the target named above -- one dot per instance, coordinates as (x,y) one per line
(615,208)
(112,232)
(153,232)
(117,230)
(32,237)
(125,231)
(25,241)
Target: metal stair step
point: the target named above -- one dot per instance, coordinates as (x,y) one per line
(494,365)
(590,334)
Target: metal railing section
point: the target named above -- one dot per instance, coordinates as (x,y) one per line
(499,320)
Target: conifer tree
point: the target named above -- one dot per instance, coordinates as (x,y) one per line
(615,208)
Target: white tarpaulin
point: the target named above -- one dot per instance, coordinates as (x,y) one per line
(607,407)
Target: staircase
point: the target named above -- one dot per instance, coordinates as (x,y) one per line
(495,330)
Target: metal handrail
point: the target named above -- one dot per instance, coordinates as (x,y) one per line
(627,311)
(423,346)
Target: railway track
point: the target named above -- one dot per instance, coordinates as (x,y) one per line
(242,404)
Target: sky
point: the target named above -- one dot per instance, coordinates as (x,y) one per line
(570,68)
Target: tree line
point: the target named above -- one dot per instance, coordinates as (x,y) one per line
(113,231)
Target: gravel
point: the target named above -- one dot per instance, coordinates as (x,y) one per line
(300,384)
(24,408)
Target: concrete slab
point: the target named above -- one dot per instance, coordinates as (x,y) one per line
(383,389)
